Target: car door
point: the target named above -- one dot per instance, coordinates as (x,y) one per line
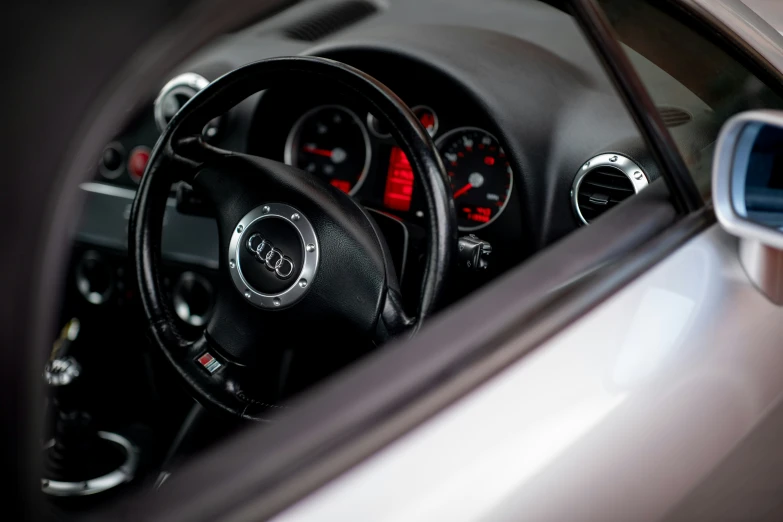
(619,375)
(603,379)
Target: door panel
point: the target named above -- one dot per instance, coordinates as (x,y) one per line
(615,418)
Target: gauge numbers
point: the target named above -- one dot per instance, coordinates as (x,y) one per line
(331,142)
(480,175)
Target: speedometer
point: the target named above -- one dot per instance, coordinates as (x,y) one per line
(331,142)
(480,175)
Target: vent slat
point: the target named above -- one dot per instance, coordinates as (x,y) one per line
(616,195)
(330,20)
(674,116)
(585,200)
(609,173)
(602,183)
(606,185)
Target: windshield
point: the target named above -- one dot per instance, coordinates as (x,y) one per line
(711,84)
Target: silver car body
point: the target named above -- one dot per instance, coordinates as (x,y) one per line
(661,403)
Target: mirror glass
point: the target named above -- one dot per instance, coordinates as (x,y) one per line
(757,175)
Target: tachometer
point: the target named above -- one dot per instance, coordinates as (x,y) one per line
(481,176)
(330,141)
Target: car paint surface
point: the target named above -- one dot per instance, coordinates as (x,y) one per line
(748,25)
(618,417)
(770,10)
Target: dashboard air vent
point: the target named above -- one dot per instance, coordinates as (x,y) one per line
(330,19)
(603,182)
(174,95)
(674,116)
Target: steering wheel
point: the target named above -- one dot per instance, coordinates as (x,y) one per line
(301,264)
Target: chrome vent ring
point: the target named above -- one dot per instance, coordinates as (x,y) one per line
(174,95)
(603,182)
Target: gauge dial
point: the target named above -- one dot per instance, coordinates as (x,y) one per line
(480,175)
(331,142)
(428,118)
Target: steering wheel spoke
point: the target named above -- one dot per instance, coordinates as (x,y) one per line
(251,392)
(394,320)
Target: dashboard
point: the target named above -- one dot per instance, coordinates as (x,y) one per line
(534,139)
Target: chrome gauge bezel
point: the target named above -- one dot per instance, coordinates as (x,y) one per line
(500,211)
(289,153)
(371,123)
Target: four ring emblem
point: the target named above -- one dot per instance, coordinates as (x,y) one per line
(274,260)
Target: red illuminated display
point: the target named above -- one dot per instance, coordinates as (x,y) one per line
(427,119)
(341,184)
(399,182)
(477,214)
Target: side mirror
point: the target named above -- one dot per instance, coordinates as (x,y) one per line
(747,191)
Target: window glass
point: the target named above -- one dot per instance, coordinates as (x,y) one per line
(711,85)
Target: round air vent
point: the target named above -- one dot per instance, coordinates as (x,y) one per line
(175,94)
(674,116)
(603,182)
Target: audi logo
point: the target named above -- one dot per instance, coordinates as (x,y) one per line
(272,258)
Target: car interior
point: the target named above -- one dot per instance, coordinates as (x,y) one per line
(420,149)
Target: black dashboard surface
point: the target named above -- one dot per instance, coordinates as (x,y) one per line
(520,70)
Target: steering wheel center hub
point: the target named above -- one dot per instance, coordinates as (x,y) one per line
(273,256)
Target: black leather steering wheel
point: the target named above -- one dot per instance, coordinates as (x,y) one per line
(302,265)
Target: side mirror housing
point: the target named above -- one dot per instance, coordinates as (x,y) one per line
(747,192)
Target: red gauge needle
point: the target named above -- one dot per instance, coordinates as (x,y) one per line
(320,152)
(462,190)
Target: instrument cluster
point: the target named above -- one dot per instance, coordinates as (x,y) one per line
(354,151)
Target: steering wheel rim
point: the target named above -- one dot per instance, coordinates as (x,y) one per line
(180,154)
